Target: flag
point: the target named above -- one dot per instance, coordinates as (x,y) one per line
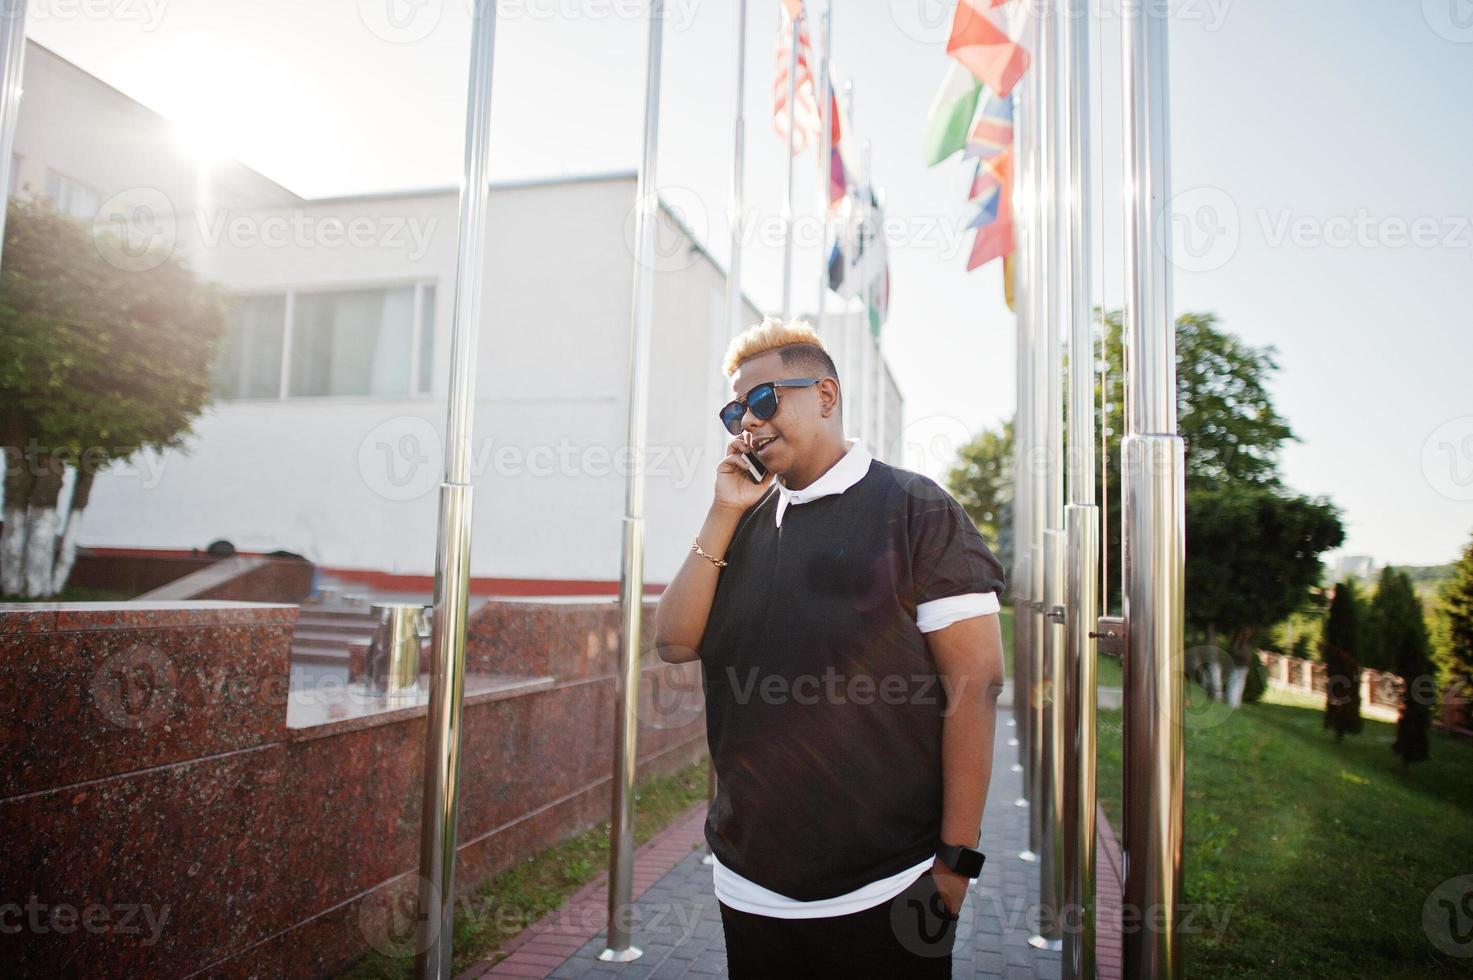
(809,122)
(838,177)
(992,130)
(994,234)
(878,306)
(951,115)
(857,260)
(1009,284)
(984,38)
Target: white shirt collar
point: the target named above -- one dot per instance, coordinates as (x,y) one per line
(849,470)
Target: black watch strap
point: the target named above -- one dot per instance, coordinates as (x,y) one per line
(963,860)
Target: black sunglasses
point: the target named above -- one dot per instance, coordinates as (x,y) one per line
(761,399)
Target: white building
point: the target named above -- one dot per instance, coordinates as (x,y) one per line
(326,439)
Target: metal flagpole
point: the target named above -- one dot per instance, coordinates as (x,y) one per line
(787,208)
(434,954)
(825,161)
(734,311)
(1081,516)
(631,579)
(1050,517)
(12,69)
(1153,473)
(734,314)
(1038,313)
(1030,538)
(1022,455)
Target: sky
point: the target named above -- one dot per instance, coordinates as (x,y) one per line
(1319,176)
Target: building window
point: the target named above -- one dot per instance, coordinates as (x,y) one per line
(361,342)
(251,364)
(72,197)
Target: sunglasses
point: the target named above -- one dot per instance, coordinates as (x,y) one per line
(762,400)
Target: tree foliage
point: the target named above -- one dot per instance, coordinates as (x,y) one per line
(982,482)
(1252,558)
(101,355)
(1225,416)
(1339,647)
(1455,628)
(1396,635)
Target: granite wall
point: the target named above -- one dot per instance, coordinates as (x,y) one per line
(163,819)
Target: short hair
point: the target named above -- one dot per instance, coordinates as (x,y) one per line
(796,342)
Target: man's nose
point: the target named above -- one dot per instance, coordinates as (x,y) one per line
(750,422)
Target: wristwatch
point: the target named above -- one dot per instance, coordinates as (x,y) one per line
(966,861)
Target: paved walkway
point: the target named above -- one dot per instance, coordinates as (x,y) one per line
(677,923)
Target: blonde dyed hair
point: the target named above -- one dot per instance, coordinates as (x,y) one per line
(769,335)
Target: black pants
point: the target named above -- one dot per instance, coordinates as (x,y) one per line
(911,935)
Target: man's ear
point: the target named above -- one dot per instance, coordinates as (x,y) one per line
(828,396)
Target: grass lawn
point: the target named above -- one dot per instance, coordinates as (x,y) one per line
(1320,855)
(519,896)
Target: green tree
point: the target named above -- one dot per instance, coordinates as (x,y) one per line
(1455,628)
(1252,559)
(103,353)
(982,482)
(1225,415)
(1397,633)
(1338,649)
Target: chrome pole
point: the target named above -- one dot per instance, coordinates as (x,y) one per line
(825,162)
(1022,583)
(1049,482)
(631,579)
(434,952)
(734,312)
(1037,461)
(1081,517)
(787,207)
(1154,517)
(12,71)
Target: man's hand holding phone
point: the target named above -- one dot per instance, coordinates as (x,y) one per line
(735,487)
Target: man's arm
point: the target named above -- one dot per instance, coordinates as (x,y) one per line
(968,656)
(680,616)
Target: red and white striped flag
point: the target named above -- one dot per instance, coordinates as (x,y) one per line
(808,121)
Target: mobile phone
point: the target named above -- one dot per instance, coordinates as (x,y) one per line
(755,469)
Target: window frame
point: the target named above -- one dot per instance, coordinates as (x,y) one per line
(418,332)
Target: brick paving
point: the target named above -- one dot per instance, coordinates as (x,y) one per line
(677,924)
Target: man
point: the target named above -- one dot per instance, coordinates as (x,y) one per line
(844,613)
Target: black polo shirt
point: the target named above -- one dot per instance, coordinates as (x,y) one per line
(824,706)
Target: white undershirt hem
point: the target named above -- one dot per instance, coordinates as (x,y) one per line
(746,896)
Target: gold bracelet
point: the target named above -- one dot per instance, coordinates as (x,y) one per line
(695,545)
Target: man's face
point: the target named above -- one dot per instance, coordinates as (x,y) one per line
(799,422)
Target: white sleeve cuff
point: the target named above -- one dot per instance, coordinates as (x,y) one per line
(937,613)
